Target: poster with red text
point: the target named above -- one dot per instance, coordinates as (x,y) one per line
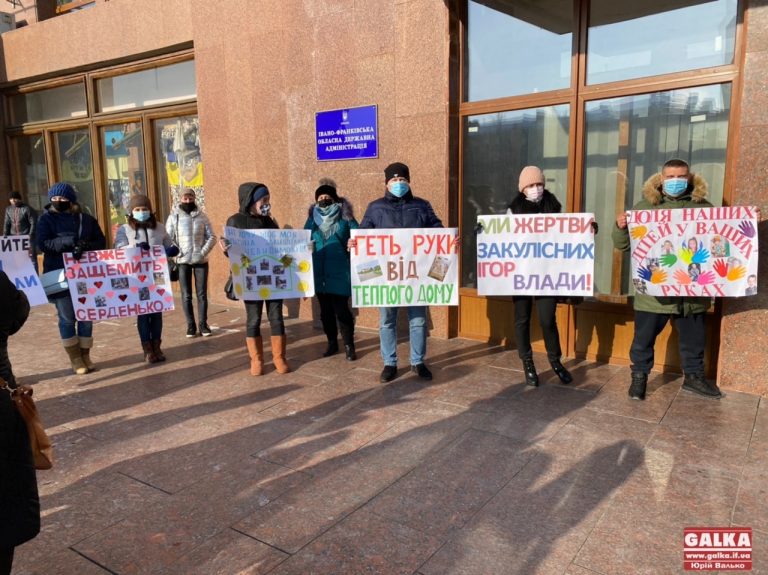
(694,252)
(110,284)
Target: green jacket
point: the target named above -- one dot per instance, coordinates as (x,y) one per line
(695,197)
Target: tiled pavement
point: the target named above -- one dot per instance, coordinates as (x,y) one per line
(193,467)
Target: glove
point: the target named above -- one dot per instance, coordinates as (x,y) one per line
(594,227)
(80,247)
(172,251)
(144,246)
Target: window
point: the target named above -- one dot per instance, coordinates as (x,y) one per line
(75,166)
(61,103)
(31,173)
(123,154)
(153,87)
(178,160)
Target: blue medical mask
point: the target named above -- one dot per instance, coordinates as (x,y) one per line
(675,186)
(141,216)
(399,189)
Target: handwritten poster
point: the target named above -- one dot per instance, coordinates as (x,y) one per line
(16,263)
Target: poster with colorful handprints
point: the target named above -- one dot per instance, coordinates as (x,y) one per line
(109,284)
(710,252)
(16,263)
(404,267)
(270,264)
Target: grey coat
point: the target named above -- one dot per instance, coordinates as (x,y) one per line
(128,237)
(193,234)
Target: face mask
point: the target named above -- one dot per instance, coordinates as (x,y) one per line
(398,189)
(61,205)
(324,203)
(187,207)
(264,210)
(141,216)
(534,193)
(675,186)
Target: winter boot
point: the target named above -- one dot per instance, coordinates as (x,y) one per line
(531,377)
(86,343)
(255,347)
(349,350)
(564,375)
(278,354)
(332,349)
(638,385)
(149,352)
(156,347)
(72,347)
(697,383)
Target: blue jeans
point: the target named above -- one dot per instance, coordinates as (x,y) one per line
(68,325)
(150,326)
(417,329)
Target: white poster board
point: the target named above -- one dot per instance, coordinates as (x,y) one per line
(16,263)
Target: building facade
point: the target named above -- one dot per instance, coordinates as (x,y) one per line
(125,96)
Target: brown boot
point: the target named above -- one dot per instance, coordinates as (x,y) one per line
(149,352)
(256,351)
(278,354)
(86,343)
(156,347)
(72,347)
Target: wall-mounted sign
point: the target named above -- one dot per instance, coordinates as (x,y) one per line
(347,134)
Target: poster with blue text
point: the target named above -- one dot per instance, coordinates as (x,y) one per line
(270,264)
(694,252)
(16,262)
(542,254)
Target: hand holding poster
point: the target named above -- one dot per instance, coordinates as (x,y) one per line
(542,254)
(15,262)
(109,284)
(270,264)
(404,267)
(694,252)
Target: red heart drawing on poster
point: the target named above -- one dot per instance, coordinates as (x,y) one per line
(169,298)
(123,296)
(142,278)
(136,258)
(161,291)
(110,294)
(81,300)
(91,291)
(98,284)
(134,289)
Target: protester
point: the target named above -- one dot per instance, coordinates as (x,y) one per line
(254,215)
(399,208)
(191,230)
(64,228)
(676,187)
(13,313)
(142,230)
(330,220)
(20,220)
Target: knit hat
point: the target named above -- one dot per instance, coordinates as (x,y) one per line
(327,190)
(188,192)
(140,201)
(529,176)
(64,190)
(396,170)
(15,196)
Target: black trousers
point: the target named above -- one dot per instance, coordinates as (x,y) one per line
(6,560)
(253,310)
(6,370)
(200,274)
(335,307)
(691,334)
(546,306)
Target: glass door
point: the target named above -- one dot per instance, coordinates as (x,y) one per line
(178,160)
(31,174)
(123,157)
(74,165)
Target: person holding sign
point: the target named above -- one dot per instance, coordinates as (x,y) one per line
(330,221)
(399,208)
(674,188)
(142,230)
(254,215)
(63,228)
(533,198)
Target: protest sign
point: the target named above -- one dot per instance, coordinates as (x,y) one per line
(694,252)
(541,254)
(404,267)
(16,263)
(270,264)
(125,282)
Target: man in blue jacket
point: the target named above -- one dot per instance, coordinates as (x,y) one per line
(399,208)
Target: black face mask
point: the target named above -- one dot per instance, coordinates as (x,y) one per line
(324,203)
(61,205)
(187,207)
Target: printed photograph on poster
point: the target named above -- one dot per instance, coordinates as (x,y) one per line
(369,270)
(16,262)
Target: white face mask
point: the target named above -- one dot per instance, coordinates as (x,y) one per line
(534,193)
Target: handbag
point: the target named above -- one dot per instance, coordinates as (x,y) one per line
(42,450)
(173,270)
(229,289)
(54,282)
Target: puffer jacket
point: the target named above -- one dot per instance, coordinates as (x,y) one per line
(654,199)
(131,238)
(406,212)
(193,234)
(330,259)
(243,219)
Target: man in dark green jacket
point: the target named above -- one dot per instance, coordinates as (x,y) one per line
(674,188)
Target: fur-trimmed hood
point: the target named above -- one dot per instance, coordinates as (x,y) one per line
(697,190)
(347,211)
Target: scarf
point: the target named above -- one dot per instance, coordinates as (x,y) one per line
(327,219)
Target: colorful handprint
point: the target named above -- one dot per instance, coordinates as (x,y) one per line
(681,277)
(747,228)
(685,255)
(658,276)
(721,267)
(736,273)
(644,273)
(668,260)
(706,278)
(639,232)
(701,255)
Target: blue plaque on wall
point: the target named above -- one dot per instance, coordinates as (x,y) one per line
(347,134)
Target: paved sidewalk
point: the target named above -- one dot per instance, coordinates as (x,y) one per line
(193,467)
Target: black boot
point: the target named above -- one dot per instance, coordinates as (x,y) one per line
(332,349)
(697,383)
(531,377)
(350,352)
(637,387)
(564,375)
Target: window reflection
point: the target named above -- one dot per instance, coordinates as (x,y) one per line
(59,103)
(152,87)
(75,166)
(179,160)
(123,168)
(31,167)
